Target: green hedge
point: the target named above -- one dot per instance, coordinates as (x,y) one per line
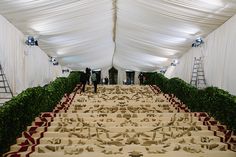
(20,111)
(149,77)
(216,102)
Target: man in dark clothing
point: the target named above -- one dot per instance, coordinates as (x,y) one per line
(88,74)
(106,81)
(83,80)
(141,78)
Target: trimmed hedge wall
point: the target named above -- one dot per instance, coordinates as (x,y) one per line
(20,111)
(149,77)
(216,102)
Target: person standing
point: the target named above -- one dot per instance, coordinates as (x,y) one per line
(106,80)
(94,80)
(88,74)
(141,78)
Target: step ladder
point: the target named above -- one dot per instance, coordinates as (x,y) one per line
(198,77)
(5,90)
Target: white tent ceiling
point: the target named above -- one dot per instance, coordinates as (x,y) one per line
(141,35)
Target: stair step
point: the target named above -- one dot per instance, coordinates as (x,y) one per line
(65,140)
(101,150)
(96,125)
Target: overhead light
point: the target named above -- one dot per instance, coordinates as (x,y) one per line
(53,60)
(198,42)
(163,70)
(60,52)
(97,70)
(31,41)
(129,70)
(65,71)
(174,62)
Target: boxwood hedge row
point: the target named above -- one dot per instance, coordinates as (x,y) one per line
(216,102)
(20,111)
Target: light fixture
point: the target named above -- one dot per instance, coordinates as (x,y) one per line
(53,60)
(198,42)
(174,62)
(97,69)
(31,41)
(163,70)
(65,71)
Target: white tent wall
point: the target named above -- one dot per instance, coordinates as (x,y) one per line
(219,58)
(183,70)
(169,71)
(38,69)
(24,67)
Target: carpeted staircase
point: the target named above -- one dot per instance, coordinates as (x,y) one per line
(124,121)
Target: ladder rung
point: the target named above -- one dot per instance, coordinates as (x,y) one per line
(4,87)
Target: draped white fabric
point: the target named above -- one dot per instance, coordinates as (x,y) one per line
(141,35)
(169,72)
(24,66)
(219,58)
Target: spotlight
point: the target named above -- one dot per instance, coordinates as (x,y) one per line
(53,60)
(31,41)
(163,70)
(197,42)
(55,63)
(65,71)
(174,62)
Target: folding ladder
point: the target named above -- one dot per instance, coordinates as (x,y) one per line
(5,90)
(198,77)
